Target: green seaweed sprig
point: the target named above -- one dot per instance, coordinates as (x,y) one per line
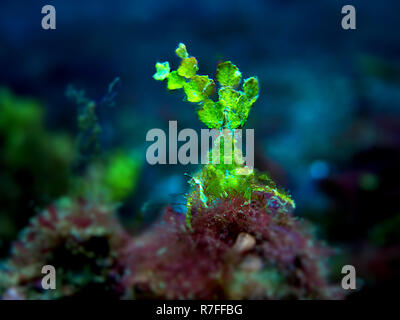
(223,179)
(233,105)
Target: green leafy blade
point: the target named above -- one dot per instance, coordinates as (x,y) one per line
(228,75)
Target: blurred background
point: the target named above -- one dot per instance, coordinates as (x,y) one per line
(327,122)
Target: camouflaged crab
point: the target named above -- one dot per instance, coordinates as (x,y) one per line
(221,179)
(240,239)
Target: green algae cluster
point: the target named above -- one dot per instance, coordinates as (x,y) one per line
(121,175)
(39,166)
(220,179)
(25,140)
(35,162)
(82,187)
(112,179)
(232,107)
(110,176)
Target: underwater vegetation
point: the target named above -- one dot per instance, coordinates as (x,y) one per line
(101,176)
(82,240)
(239,238)
(35,163)
(78,233)
(234,251)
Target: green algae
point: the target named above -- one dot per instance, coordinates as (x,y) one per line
(223,177)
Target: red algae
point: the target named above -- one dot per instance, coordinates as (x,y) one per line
(82,240)
(233,251)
